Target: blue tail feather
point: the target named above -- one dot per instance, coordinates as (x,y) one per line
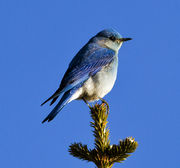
(64,100)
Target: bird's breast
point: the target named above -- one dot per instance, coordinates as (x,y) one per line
(100,84)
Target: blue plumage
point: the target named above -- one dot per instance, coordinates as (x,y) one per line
(84,76)
(64,100)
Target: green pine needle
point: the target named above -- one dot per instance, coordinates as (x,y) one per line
(103,155)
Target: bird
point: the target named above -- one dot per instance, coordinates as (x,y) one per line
(92,72)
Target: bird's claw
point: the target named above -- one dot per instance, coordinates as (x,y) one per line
(107,105)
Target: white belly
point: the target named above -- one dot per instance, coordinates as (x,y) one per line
(100,84)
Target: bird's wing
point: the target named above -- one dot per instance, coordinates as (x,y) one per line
(80,69)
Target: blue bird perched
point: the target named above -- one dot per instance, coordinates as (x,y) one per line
(91,73)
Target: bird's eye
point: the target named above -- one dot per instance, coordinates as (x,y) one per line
(112,38)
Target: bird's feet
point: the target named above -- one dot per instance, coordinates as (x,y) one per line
(105,102)
(86,102)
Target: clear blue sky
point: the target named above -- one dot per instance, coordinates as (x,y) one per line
(38,38)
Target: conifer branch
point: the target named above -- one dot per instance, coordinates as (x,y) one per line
(80,151)
(103,155)
(100,132)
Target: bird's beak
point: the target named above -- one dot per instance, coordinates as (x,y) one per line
(125,39)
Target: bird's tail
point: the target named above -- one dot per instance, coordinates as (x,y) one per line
(66,98)
(54,97)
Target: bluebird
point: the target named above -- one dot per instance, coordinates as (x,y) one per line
(91,73)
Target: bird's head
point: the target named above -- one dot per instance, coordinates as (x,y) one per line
(110,38)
